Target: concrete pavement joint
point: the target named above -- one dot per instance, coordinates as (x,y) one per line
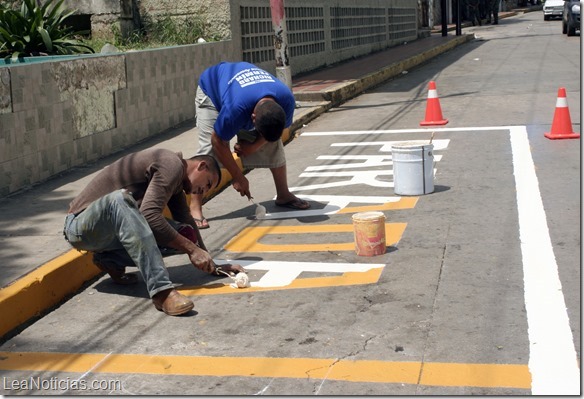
(426,343)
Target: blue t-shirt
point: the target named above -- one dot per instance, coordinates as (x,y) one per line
(235,88)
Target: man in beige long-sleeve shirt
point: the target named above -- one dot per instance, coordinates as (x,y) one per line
(119,217)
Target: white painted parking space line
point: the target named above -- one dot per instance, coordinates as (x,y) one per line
(402,131)
(552,357)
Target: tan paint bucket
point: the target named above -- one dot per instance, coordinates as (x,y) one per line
(369,229)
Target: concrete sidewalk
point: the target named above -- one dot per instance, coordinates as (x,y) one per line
(39,268)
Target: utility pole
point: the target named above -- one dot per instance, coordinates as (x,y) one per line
(281,42)
(443,18)
(458,18)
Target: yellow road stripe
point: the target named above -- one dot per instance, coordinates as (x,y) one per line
(403,203)
(348,278)
(477,375)
(248,239)
(436,374)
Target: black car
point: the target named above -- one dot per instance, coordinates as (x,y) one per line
(571,17)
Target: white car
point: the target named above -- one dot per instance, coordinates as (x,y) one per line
(553,8)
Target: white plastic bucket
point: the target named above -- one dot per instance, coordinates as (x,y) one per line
(413,168)
(369,232)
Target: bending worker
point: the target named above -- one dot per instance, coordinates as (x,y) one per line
(240,99)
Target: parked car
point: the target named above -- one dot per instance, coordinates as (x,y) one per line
(552,9)
(571,17)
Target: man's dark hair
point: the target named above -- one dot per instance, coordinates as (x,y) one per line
(270,119)
(213,164)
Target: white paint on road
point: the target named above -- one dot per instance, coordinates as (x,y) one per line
(440,144)
(281,274)
(334,203)
(553,362)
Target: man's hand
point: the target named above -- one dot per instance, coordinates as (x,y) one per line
(241,184)
(243,149)
(202,260)
(221,149)
(233,267)
(199,257)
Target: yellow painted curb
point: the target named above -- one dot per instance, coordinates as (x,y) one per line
(44,287)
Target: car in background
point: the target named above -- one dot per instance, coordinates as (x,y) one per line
(571,17)
(552,9)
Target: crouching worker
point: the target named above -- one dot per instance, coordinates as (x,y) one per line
(119,217)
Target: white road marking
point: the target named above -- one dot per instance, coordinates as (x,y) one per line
(334,204)
(281,274)
(368,161)
(553,362)
(404,131)
(367,178)
(440,144)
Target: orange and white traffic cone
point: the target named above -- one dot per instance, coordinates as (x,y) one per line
(562,124)
(433,110)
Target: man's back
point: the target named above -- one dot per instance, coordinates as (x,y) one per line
(152,176)
(236,88)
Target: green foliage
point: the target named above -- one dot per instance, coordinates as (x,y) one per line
(162,32)
(38,30)
(175,30)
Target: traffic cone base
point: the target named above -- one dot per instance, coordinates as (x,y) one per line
(433,110)
(432,123)
(562,123)
(557,136)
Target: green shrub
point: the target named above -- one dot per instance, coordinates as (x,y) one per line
(38,30)
(159,32)
(175,30)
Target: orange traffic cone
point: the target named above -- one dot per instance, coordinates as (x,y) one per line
(433,110)
(562,124)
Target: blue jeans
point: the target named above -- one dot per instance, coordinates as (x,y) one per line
(113,225)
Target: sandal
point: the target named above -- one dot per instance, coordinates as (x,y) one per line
(201,223)
(296,203)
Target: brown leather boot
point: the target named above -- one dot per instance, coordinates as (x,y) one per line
(172,303)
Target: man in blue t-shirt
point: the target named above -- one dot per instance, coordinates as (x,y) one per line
(240,99)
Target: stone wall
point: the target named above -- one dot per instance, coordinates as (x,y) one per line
(216,13)
(62,114)
(127,15)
